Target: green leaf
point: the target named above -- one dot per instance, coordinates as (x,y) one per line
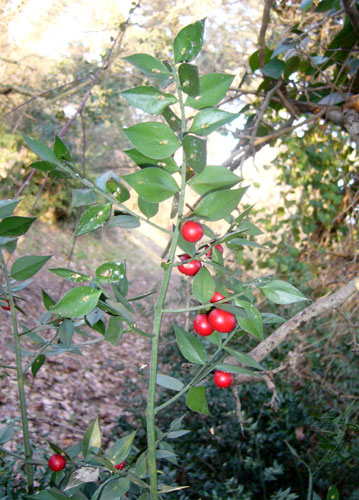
(70,275)
(189,79)
(209,119)
(152,184)
(120,309)
(188,42)
(82,197)
(42,150)
(111,272)
(306,5)
(213,87)
(274,69)
(195,150)
(150,66)
(120,450)
(149,209)
(37,364)
(119,191)
(46,166)
(172,119)
(244,359)
(241,242)
(7,207)
(254,323)
(254,61)
(15,226)
(272,318)
(213,178)
(142,465)
(153,139)
(47,300)
(196,400)
(77,302)
(115,489)
(65,332)
(51,494)
(203,285)
(333,493)
(114,330)
(225,367)
(144,161)
(218,205)
(281,292)
(6,433)
(169,382)
(125,221)
(191,348)
(25,267)
(93,218)
(60,149)
(91,442)
(149,99)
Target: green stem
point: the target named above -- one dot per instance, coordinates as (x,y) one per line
(150,411)
(20,380)
(9,367)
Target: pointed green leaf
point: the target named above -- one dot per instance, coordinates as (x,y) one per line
(13,226)
(51,494)
(274,69)
(225,367)
(189,79)
(42,150)
(65,332)
(172,119)
(196,152)
(196,400)
(70,275)
(213,178)
(220,204)
(61,150)
(209,119)
(120,450)
(46,166)
(150,66)
(169,382)
(7,207)
(115,489)
(111,272)
(25,267)
(93,218)
(144,161)
(6,433)
(272,318)
(281,292)
(191,348)
(125,221)
(153,139)
(149,209)
(213,87)
(47,300)
(91,442)
(82,197)
(188,42)
(152,184)
(120,309)
(77,302)
(114,330)
(148,98)
(244,359)
(254,323)
(203,285)
(120,192)
(37,364)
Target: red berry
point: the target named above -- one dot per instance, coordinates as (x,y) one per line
(218,247)
(56,462)
(222,321)
(216,297)
(192,231)
(202,326)
(190,268)
(222,379)
(121,465)
(7,307)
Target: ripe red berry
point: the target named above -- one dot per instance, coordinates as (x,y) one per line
(222,379)
(222,321)
(202,326)
(121,465)
(218,247)
(191,268)
(56,462)
(216,297)
(7,307)
(192,231)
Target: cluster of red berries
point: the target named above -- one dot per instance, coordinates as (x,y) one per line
(217,319)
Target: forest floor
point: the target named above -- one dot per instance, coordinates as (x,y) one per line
(70,390)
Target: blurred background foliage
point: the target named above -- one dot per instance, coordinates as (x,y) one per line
(306,199)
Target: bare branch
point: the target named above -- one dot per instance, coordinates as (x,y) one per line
(262,33)
(353,14)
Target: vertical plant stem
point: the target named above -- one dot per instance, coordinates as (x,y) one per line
(20,381)
(150,411)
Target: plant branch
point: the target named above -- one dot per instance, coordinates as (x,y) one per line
(262,33)
(353,13)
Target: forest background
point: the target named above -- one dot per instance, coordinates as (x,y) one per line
(295,87)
